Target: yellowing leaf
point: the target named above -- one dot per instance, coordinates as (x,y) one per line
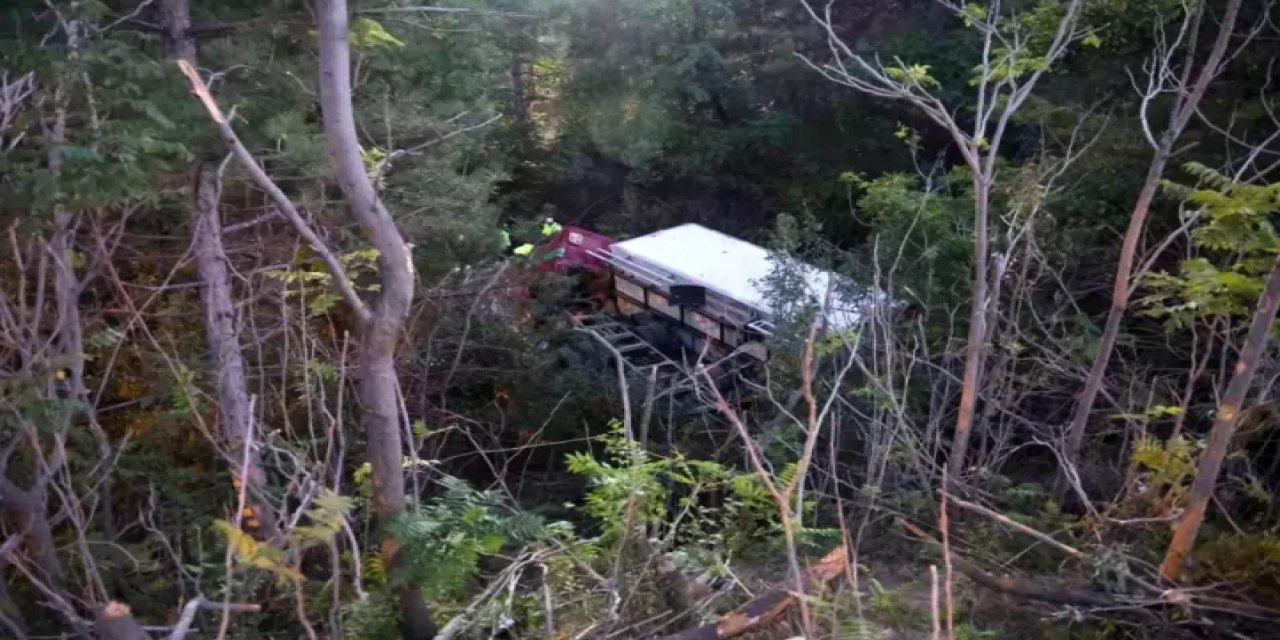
(369,34)
(251,553)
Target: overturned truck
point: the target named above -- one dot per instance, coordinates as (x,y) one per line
(687,301)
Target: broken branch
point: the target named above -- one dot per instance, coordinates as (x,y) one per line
(768,608)
(346,288)
(1017,526)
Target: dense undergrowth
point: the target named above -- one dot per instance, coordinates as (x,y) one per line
(217,364)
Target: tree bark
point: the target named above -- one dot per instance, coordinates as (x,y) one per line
(1224,427)
(977,334)
(519,104)
(223,338)
(1119,304)
(11,619)
(1184,108)
(221,333)
(27,509)
(179,40)
(378,386)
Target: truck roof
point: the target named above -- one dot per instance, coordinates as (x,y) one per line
(729,266)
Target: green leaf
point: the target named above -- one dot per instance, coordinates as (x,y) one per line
(369,34)
(322,303)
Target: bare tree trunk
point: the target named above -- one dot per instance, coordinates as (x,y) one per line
(179,41)
(977,334)
(1184,108)
(11,618)
(379,387)
(223,338)
(519,103)
(221,332)
(1224,427)
(1119,304)
(998,99)
(26,508)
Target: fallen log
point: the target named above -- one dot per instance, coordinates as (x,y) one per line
(1138,605)
(1046,592)
(769,607)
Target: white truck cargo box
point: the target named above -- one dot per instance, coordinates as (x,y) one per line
(734,269)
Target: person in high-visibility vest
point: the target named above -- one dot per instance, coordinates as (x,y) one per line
(550,227)
(509,246)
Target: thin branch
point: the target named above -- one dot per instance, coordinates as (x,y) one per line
(449,10)
(1017,526)
(419,148)
(272,216)
(341,281)
(767,608)
(189,613)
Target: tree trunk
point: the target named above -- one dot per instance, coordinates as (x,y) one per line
(1119,304)
(11,619)
(1224,427)
(221,332)
(27,509)
(179,41)
(1184,108)
(977,334)
(519,103)
(223,338)
(379,388)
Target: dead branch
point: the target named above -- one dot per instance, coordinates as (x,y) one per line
(1043,591)
(114,620)
(341,281)
(1017,526)
(769,607)
(189,613)
(14,92)
(1058,593)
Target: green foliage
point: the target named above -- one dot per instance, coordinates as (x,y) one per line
(250,553)
(1171,462)
(913,74)
(312,282)
(629,487)
(970,631)
(326,517)
(1237,242)
(367,33)
(890,605)
(933,228)
(374,618)
(443,541)
(1250,560)
(1150,415)
(1009,66)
